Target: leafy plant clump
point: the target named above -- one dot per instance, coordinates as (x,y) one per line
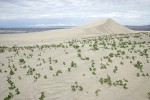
(12,85)
(42,96)
(148,94)
(17,91)
(106,80)
(10,96)
(138,65)
(97,91)
(76,86)
(58,72)
(73,64)
(30,71)
(21,61)
(115,69)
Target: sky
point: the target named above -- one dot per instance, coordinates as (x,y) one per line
(45,13)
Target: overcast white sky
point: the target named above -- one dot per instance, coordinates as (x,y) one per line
(26,13)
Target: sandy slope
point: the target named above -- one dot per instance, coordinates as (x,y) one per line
(100,27)
(59,87)
(105,26)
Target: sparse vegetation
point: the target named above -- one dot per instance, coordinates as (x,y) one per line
(98,59)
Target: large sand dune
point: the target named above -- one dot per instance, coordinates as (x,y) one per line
(105,26)
(99,27)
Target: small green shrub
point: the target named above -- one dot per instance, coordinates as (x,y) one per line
(58,72)
(97,91)
(76,86)
(42,96)
(148,95)
(17,91)
(10,96)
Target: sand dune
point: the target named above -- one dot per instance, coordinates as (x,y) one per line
(100,27)
(105,26)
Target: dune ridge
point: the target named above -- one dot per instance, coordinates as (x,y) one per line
(99,27)
(106,26)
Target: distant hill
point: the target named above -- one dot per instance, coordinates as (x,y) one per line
(139,28)
(28,30)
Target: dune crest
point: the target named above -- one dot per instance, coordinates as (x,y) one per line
(107,26)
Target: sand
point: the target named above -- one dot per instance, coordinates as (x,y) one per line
(99,27)
(69,63)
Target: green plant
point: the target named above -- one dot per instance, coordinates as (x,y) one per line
(43,61)
(64,63)
(133,57)
(106,80)
(19,77)
(147,74)
(58,72)
(101,80)
(97,91)
(73,88)
(138,65)
(148,94)
(143,74)
(11,72)
(80,88)
(12,85)
(125,86)
(109,60)
(45,76)
(2,49)
(17,91)
(21,61)
(79,55)
(115,69)
(121,63)
(10,96)
(103,66)
(37,75)
(55,61)
(30,71)
(73,64)
(111,55)
(121,83)
(3,64)
(42,96)
(93,73)
(69,69)
(50,67)
(76,86)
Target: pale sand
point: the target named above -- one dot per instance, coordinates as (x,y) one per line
(59,87)
(100,27)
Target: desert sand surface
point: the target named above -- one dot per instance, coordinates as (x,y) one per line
(98,27)
(102,60)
